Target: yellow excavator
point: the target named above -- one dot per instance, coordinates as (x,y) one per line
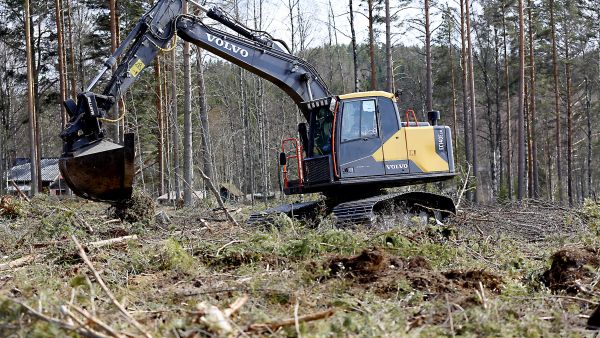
(350,148)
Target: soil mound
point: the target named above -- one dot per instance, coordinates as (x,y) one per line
(569,267)
(388,274)
(471,279)
(369,264)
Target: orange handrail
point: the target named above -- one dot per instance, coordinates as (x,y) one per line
(411,111)
(299,158)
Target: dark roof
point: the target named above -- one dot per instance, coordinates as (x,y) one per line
(22,172)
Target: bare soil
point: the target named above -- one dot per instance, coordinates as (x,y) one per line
(376,269)
(571,268)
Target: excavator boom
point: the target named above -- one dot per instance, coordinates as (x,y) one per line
(97,169)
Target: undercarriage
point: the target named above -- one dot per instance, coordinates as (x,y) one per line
(366,211)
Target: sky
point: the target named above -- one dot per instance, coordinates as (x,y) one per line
(277,21)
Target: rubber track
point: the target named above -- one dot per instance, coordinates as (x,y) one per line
(360,212)
(269,216)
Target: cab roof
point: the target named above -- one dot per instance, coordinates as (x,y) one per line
(361,95)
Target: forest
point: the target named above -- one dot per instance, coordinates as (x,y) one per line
(517,82)
(517,85)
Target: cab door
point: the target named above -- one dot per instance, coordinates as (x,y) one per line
(393,152)
(359,139)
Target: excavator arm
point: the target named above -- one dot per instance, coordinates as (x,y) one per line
(97,169)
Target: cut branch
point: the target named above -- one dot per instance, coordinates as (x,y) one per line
(107,290)
(292,321)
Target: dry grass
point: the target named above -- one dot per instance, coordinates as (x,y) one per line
(481,274)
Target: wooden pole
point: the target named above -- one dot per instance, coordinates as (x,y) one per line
(31,103)
(61,61)
(114,44)
(160,135)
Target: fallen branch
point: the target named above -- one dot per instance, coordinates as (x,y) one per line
(18,262)
(226,245)
(96,321)
(98,244)
(235,306)
(83,331)
(292,321)
(464,188)
(107,290)
(19,191)
(111,241)
(218,321)
(218,197)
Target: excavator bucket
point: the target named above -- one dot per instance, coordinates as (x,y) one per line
(102,171)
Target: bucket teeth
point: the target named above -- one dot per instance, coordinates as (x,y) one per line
(102,171)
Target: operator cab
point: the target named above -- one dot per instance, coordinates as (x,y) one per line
(361,141)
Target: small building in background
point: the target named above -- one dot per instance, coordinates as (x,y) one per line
(172,198)
(229,191)
(20,174)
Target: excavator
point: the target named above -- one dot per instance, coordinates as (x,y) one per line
(350,149)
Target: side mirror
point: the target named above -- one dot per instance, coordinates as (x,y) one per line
(398,93)
(282,159)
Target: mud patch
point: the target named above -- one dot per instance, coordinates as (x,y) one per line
(386,274)
(139,208)
(569,267)
(471,279)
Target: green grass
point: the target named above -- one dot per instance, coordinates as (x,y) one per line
(163,275)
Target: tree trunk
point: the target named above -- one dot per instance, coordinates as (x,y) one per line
(429,71)
(72,68)
(499,133)
(569,117)
(388,48)
(354,47)
(61,62)
(521,117)
(33,150)
(509,167)
(36,57)
(160,124)
(588,109)
(528,157)
(204,125)
(175,126)
(372,46)
(477,195)
(465,86)
(549,168)
(558,135)
(533,106)
(453,82)
(114,43)
(188,155)
(337,48)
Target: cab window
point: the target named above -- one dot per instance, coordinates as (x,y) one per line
(359,120)
(323,124)
(388,118)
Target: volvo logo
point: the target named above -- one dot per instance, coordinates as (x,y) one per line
(226,45)
(401,166)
